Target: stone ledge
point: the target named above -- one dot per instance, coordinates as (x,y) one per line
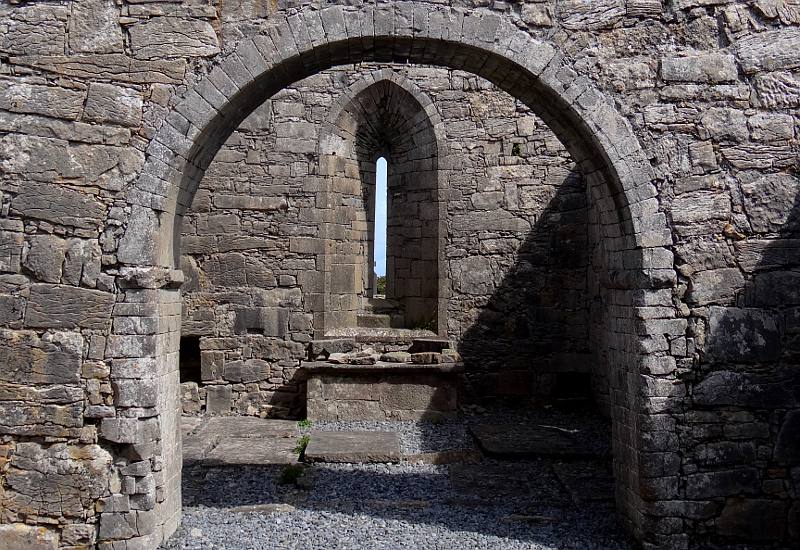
(381,367)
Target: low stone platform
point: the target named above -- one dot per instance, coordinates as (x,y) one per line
(353,447)
(517,441)
(382,391)
(240,440)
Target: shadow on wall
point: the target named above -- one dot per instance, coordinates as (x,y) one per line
(749,377)
(532,334)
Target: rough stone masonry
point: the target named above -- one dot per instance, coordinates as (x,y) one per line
(607,187)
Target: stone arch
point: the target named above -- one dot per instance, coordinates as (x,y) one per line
(634,234)
(385,114)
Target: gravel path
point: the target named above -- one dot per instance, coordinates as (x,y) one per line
(493,504)
(415,437)
(376,506)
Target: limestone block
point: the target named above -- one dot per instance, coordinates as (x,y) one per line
(771,202)
(250,370)
(703,67)
(56,480)
(39,419)
(53,101)
(58,205)
(771,127)
(778,90)
(219,399)
(787,449)
(61,306)
(753,519)
(722,483)
(742,335)
(45,258)
(27,537)
(121,430)
(11,310)
(263,320)
(715,285)
(118,67)
(82,263)
(107,103)
(772,50)
(135,393)
(28,359)
(115,526)
(473,275)
(250,202)
(590,14)
(34,29)
(10,251)
(94,27)
(166,37)
(722,124)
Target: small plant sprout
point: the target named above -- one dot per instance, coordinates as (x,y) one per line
(304,424)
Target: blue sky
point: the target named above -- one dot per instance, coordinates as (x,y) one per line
(380,218)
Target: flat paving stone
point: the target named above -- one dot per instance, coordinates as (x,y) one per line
(520,441)
(353,447)
(253,451)
(248,427)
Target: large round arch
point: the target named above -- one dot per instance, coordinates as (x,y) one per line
(634,233)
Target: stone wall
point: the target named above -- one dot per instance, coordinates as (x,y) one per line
(514,246)
(680,114)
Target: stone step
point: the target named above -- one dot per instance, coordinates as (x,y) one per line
(382,305)
(353,447)
(379,320)
(429,345)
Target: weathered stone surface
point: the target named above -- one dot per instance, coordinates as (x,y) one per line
(21,97)
(56,480)
(753,519)
(166,37)
(589,14)
(250,370)
(29,359)
(716,286)
(778,90)
(113,104)
(749,390)
(27,537)
(59,205)
(353,447)
(10,251)
(517,441)
(219,399)
(771,202)
(787,449)
(45,258)
(34,29)
(247,450)
(708,67)
(61,306)
(769,51)
(94,27)
(105,66)
(742,334)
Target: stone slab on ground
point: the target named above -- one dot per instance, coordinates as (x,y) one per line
(586,481)
(519,441)
(252,451)
(353,447)
(248,427)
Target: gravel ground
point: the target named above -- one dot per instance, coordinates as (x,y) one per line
(493,504)
(415,437)
(377,506)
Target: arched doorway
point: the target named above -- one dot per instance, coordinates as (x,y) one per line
(632,264)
